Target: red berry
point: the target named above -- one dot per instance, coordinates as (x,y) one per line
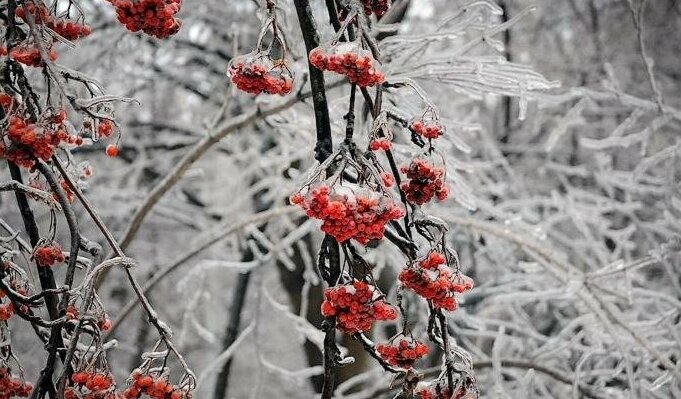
(111,150)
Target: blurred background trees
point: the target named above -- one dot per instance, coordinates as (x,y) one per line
(565,211)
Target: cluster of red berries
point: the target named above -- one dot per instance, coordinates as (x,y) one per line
(356,306)
(387,179)
(402,352)
(153,17)
(347,59)
(256,73)
(36,140)
(378,7)
(427,128)
(432,279)
(379,144)
(104,323)
(154,387)
(67,29)
(12,386)
(433,391)
(48,254)
(90,385)
(425,182)
(30,55)
(349,213)
(6,311)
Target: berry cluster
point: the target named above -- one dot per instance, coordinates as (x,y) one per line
(256,73)
(402,352)
(47,255)
(67,29)
(153,17)
(378,7)
(433,280)
(425,181)
(429,128)
(387,179)
(6,311)
(37,139)
(12,386)
(154,387)
(347,59)
(432,391)
(356,306)
(379,144)
(90,385)
(30,55)
(349,212)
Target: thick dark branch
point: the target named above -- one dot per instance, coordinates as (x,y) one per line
(308,26)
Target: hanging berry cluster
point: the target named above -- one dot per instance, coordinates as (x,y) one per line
(349,211)
(432,279)
(153,17)
(70,30)
(436,390)
(427,125)
(90,385)
(29,55)
(378,7)
(356,306)
(48,254)
(28,140)
(402,352)
(424,181)
(13,386)
(349,60)
(264,70)
(154,385)
(257,73)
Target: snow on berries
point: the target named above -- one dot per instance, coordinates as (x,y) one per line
(153,17)
(349,60)
(427,125)
(432,279)
(257,73)
(29,55)
(432,391)
(349,211)
(48,254)
(379,144)
(155,386)
(424,181)
(402,352)
(90,384)
(27,139)
(356,306)
(12,385)
(378,7)
(68,29)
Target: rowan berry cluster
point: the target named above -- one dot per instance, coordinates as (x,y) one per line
(349,60)
(12,386)
(432,279)
(69,30)
(155,387)
(29,55)
(429,128)
(402,352)
(379,144)
(90,385)
(6,311)
(378,7)
(356,306)
(432,391)
(37,140)
(257,73)
(425,181)
(47,255)
(153,17)
(349,212)
(387,179)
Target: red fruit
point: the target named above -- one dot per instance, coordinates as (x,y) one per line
(356,307)
(112,150)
